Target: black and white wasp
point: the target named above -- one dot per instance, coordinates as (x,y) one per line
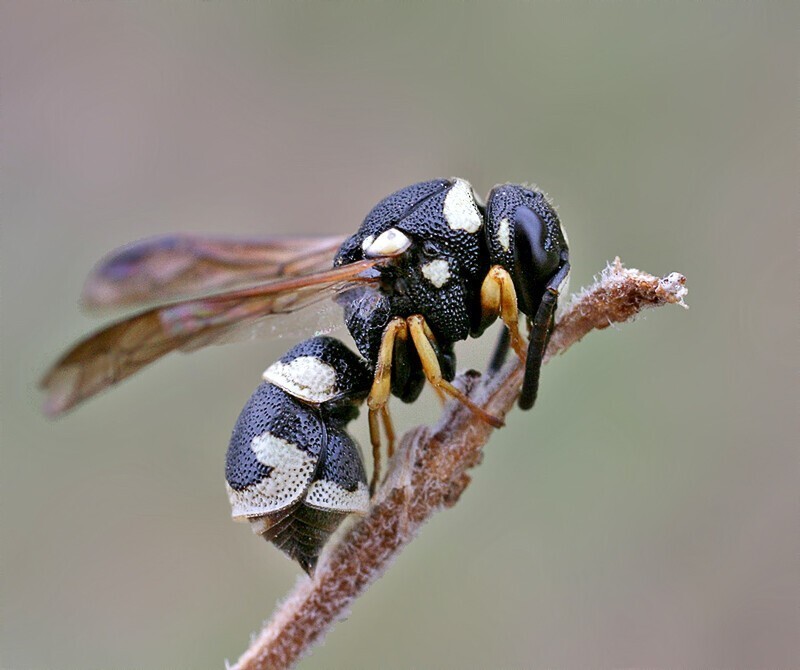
(430,266)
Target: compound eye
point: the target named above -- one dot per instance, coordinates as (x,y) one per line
(531,236)
(392,242)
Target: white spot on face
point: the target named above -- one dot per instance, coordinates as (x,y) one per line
(292,469)
(368,240)
(437,272)
(504,234)
(392,242)
(460,211)
(327,495)
(305,377)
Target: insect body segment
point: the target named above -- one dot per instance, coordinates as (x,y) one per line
(429,236)
(429,266)
(438,273)
(529,255)
(455,266)
(291,469)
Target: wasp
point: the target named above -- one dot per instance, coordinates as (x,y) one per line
(430,265)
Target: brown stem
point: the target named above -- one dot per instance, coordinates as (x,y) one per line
(429,473)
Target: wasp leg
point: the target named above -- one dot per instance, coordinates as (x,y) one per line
(539,337)
(375,440)
(379,395)
(498,297)
(423,341)
(388,429)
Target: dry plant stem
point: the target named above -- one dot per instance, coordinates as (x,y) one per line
(429,473)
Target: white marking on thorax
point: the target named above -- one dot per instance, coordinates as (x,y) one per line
(292,468)
(437,272)
(504,234)
(460,211)
(305,377)
(328,495)
(392,242)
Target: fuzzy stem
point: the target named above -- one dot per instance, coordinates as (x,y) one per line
(429,473)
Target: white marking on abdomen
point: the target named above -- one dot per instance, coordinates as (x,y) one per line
(304,377)
(291,470)
(328,495)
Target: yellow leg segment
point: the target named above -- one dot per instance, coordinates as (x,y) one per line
(423,338)
(499,298)
(379,395)
(388,429)
(375,440)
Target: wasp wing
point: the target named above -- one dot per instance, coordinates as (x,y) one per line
(121,349)
(177,266)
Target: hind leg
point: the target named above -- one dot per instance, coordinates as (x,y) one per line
(379,394)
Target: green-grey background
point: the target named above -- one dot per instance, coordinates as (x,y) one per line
(645,514)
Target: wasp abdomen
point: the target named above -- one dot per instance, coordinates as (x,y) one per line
(292,470)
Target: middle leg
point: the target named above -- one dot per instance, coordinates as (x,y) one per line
(423,339)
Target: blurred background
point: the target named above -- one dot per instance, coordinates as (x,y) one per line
(644,514)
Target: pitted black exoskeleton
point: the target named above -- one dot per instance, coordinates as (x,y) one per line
(459,265)
(292,470)
(528,248)
(449,268)
(429,266)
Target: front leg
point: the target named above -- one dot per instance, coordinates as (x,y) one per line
(499,298)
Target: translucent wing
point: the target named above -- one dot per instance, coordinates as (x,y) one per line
(179,266)
(121,349)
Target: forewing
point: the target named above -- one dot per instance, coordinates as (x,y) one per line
(121,349)
(179,266)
